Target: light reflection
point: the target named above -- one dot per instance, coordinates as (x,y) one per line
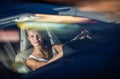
(9,35)
(52,21)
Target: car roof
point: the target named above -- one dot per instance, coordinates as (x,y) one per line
(87,10)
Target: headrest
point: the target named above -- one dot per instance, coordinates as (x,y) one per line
(24,43)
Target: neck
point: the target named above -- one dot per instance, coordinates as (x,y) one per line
(38,49)
(41,46)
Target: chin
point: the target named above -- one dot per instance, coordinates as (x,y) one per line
(37,44)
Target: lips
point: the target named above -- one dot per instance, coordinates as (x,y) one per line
(36,42)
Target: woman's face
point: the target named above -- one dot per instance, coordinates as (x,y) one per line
(34,37)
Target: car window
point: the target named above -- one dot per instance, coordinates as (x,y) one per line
(15,47)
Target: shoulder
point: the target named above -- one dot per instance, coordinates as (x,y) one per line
(30,61)
(34,64)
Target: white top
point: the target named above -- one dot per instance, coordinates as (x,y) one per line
(38,59)
(42,59)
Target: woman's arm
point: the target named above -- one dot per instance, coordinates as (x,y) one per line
(59,50)
(34,64)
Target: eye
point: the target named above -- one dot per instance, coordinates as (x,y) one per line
(39,36)
(32,36)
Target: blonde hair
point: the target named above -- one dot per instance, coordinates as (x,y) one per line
(42,33)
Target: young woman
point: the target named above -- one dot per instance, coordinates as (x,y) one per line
(40,54)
